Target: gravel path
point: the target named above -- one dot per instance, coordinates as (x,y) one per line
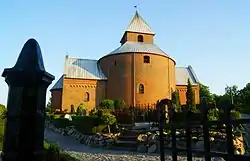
(85,153)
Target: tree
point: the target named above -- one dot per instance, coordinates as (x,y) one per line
(233,93)
(49,105)
(3,110)
(119,104)
(107,104)
(72,109)
(190,97)
(206,94)
(108,119)
(176,100)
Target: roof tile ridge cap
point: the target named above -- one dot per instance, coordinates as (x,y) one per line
(193,73)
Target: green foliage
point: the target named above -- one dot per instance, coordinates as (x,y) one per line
(206,94)
(61,122)
(97,113)
(107,104)
(119,104)
(52,152)
(49,106)
(190,103)
(176,100)
(213,114)
(108,119)
(72,109)
(80,109)
(86,124)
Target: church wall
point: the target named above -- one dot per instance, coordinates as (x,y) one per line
(74,93)
(56,99)
(158,77)
(118,70)
(147,38)
(132,36)
(182,93)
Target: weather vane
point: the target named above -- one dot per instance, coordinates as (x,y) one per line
(136,7)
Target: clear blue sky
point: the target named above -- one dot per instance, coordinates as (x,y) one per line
(213,36)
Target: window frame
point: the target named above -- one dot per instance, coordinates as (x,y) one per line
(140,38)
(141,88)
(146,59)
(86,97)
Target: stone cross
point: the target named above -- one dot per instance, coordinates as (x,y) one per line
(24,128)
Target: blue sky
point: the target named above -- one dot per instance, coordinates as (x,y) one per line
(213,36)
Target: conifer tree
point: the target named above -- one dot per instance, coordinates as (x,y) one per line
(190,97)
(176,100)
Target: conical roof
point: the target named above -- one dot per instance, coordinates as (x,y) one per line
(139,25)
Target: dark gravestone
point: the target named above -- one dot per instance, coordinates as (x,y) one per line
(24,128)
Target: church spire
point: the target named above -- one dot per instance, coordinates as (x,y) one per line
(138,25)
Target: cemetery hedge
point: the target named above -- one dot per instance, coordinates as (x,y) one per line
(84,124)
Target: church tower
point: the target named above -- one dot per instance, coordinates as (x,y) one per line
(138,71)
(138,31)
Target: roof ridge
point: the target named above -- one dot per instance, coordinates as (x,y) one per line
(80,58)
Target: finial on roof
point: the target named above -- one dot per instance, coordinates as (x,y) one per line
(136,7)
(67,55)
(139,25)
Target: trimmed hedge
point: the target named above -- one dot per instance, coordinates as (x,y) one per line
(61,122)
(86,124)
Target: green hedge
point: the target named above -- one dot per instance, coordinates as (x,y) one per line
(61,122)
(86,124)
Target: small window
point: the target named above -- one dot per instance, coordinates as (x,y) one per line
(115,63)
(86,97)
(146,59)
(141,89)
(140,38)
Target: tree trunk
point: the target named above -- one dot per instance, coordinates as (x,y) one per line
(109,129)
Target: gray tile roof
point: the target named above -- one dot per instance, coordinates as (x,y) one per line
(58,84)
(82,68)
(88,69)
(138,47)
(139,25)
(183,73)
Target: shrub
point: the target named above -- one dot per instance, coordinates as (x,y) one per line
(61,122)
(52,152)
(85,124)
(119,104)
(108,119)
(80,109)
(107,104)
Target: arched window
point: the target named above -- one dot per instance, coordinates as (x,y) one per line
(86,97)
(146,59)
(140,38)
(141,89)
